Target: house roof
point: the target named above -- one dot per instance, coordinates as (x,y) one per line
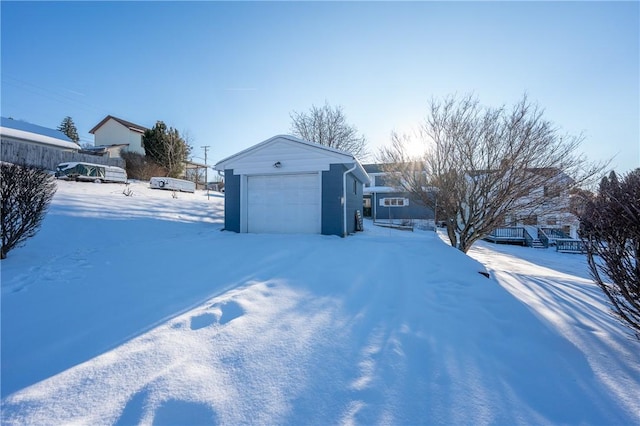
(373,168)
(125,123)
(33,133)
(346,157)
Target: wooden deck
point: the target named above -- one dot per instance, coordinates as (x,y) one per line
(512,235)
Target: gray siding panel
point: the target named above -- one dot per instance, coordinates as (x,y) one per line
(231,201)
(415,210)
(331,200)
(332,210)
(354,202)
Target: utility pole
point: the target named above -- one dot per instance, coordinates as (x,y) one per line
(206,170)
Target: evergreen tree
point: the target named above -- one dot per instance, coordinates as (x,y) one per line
(68,127)
(165,146)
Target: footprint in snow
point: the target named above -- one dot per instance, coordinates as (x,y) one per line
(229,311)
(202,321)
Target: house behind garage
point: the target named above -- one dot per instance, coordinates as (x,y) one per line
(288,185)
(385,202)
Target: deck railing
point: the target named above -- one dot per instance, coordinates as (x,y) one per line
(507,233)
(568,245)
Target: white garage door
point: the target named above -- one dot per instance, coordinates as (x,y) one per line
(283,204)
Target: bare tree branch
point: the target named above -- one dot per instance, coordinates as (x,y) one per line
(610,229)
(328,126)
(489,164)
(25,194)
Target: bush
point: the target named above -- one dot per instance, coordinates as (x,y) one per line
(26,193)
(140,167)
(610,228)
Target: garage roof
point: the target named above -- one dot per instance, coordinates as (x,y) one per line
(338,156)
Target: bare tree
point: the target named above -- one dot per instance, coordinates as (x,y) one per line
(26,193)
(610,228)
(483,165)
(328,126)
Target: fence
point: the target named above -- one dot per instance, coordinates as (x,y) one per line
(48,158)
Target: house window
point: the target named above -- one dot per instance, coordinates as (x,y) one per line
(394,202)
(551,191)
(355,186)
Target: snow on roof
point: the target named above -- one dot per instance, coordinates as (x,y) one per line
(378,189)
(33,133)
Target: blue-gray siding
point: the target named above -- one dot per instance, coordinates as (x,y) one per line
(331,211)
(231,201)
(415,210)
(354,202)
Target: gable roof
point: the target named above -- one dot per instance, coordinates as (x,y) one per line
(342,157)
(33,133)
(125,123)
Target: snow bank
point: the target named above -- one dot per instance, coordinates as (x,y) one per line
(139,310)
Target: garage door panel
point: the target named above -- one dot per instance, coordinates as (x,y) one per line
(283,203)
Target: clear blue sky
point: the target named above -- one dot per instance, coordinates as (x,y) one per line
(229,74)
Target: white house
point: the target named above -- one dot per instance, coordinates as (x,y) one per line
(119,133)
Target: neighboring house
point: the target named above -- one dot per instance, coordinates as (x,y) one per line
(383,202)
(32,134)
(33,145)
(552,219)
(115,132)
(289,185)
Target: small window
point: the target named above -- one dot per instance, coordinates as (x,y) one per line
(355,186)
(394,202)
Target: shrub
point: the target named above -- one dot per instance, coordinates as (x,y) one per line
(140,167)
(26,193)
(610,228)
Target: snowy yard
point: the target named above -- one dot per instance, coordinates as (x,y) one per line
(138,310)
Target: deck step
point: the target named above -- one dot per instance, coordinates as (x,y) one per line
(536,243)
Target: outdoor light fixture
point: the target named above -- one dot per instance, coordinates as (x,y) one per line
(277,164)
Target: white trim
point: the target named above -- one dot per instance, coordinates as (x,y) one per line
(344,198)
(244,226)
(394,202)
(295,156)
(247,151)
(320,201)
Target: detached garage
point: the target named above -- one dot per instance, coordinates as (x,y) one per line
(286,185)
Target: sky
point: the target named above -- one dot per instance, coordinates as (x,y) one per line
(228,75)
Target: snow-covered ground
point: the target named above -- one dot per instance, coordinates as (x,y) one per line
(138,310)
